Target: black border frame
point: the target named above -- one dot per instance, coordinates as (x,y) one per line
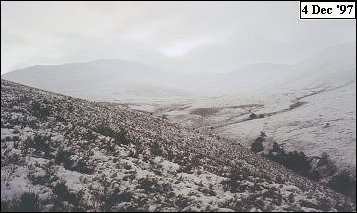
(325,18)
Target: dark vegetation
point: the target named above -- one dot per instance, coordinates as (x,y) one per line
(44,180)
(120,137)
(255,116)
(65,200)
(204,112)
(151,185)
(27,202)
(342,181)
(109,199)
(155,149)
(257,146)
(41,143)
(235,175)
(40,110)
(297,104)
(64,157)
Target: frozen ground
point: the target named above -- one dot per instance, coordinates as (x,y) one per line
(55,147)
(309,106)
(322,120)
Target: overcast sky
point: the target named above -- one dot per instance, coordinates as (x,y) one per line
(174,36)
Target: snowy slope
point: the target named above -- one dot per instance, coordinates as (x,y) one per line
(325,123)
(55,147)
(322,85)
(296,107)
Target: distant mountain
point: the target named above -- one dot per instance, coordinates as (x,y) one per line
(111,80)
(99,80)
(334,66)
(331,67)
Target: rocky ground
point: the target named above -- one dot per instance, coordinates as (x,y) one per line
(59,153)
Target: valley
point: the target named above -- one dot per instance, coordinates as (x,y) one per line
(165,133)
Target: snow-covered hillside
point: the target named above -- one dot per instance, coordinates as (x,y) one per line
(321,122)
(59,153)
(327,79)
(309,106)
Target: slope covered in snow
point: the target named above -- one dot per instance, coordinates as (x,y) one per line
(310,108)
(73,154)
(297,101)
(323,122)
